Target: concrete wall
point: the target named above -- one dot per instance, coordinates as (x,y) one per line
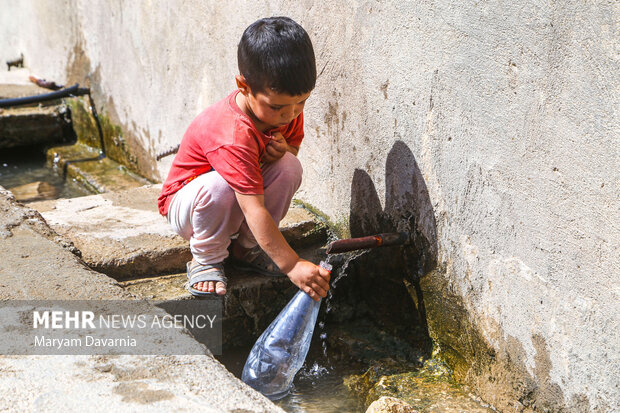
(493,122)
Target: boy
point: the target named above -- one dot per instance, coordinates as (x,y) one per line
(236,169)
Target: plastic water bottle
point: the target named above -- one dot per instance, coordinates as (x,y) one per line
(281,350)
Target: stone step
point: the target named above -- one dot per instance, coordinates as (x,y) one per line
(121,234)
(251,302)
(28,126)
(82,163)
(47,123)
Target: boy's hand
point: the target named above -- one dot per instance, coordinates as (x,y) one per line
(275,149)
(310,278)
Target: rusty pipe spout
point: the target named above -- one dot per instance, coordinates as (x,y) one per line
(371,241)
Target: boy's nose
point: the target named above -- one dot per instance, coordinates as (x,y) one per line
(289,115)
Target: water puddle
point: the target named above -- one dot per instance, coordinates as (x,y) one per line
(25,172)
(317,389)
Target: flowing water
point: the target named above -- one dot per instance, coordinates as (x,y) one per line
(341,271)
(316,389)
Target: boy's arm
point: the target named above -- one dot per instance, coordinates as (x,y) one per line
(310,278)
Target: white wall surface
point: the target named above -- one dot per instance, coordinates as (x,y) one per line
(510,110)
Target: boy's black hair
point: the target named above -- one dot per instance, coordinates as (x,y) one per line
(276,53)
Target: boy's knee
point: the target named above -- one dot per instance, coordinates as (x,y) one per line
(214,190)
(290,170)
(292,166)
(286,171)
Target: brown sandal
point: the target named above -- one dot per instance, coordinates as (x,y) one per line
(256,260)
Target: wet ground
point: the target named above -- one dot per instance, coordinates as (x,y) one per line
(317,388)
(328,384)
(354,362)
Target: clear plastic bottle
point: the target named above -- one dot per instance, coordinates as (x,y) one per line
(281,350)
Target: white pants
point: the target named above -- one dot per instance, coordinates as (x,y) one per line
(206,212)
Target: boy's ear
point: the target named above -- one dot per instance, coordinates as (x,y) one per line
(242,85)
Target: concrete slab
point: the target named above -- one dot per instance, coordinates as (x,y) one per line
(122,234)
(15,84)
(35,265)
(125,384)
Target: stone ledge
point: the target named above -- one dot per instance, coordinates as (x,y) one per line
(27,126)
(251,302)
(122,234)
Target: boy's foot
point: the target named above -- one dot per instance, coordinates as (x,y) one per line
(254,259)
(210,279)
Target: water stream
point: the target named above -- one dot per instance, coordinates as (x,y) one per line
(319,386)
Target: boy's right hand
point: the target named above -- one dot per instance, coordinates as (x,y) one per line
(310,278)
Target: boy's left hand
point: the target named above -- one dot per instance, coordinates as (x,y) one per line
(275,149)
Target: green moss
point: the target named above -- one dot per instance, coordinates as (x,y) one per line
(336,230)
(116,146)
(85,128)
(455,360)
(83,122)
(420,387)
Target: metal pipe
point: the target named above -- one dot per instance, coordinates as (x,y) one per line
(45,83)
(19,62)
(371,241)
(74,90)
(167,152)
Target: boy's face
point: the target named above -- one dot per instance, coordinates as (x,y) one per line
(269,109)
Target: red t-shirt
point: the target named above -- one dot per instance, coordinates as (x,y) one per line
(224,138)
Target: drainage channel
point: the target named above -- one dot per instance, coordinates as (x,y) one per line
(361,349)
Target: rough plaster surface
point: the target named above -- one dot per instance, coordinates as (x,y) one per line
(509,110)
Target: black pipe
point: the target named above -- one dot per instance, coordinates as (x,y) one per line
(96,116)
(74,90)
